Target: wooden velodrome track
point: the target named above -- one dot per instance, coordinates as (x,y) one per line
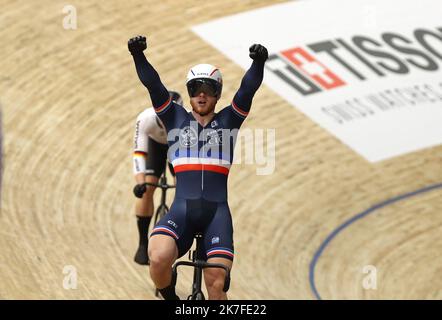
(69,101)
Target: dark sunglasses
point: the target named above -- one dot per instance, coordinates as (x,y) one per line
(208,86)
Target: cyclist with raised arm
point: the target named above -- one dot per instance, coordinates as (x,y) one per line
(149,163)
(201,152)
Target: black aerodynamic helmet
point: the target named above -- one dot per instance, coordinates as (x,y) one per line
(176,97)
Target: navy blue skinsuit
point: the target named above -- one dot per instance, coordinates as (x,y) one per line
(201,158)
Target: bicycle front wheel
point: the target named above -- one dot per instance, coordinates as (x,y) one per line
(200,296)
(197,296)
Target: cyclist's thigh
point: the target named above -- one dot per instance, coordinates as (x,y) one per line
(174,224)
(218,236)
(156,158)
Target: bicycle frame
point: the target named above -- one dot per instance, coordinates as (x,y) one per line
(199,264)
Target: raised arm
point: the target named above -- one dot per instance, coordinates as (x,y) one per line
(148,75)
(242,101)
(251,81)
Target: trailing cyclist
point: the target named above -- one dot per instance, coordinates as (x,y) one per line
(149,162)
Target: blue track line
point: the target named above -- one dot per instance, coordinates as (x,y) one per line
(350,221)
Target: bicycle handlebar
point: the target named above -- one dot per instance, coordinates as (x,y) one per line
(202,265)
(160,185)
(139,191)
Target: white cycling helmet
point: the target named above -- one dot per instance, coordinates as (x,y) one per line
(204,77)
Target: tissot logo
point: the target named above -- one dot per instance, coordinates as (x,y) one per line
(373,80)
(303,69)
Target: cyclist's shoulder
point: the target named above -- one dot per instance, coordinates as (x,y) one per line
(225,110)
(149,120)
(146,115)
(172,111)
(181,109)
(184,114)
(225,114)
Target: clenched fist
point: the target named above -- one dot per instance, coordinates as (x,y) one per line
(258,52)
(137,44)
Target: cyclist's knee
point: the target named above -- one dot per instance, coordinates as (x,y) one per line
(148,195)
(151,179)
(161,259)
(146,202)
(162,251)
(214,279)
